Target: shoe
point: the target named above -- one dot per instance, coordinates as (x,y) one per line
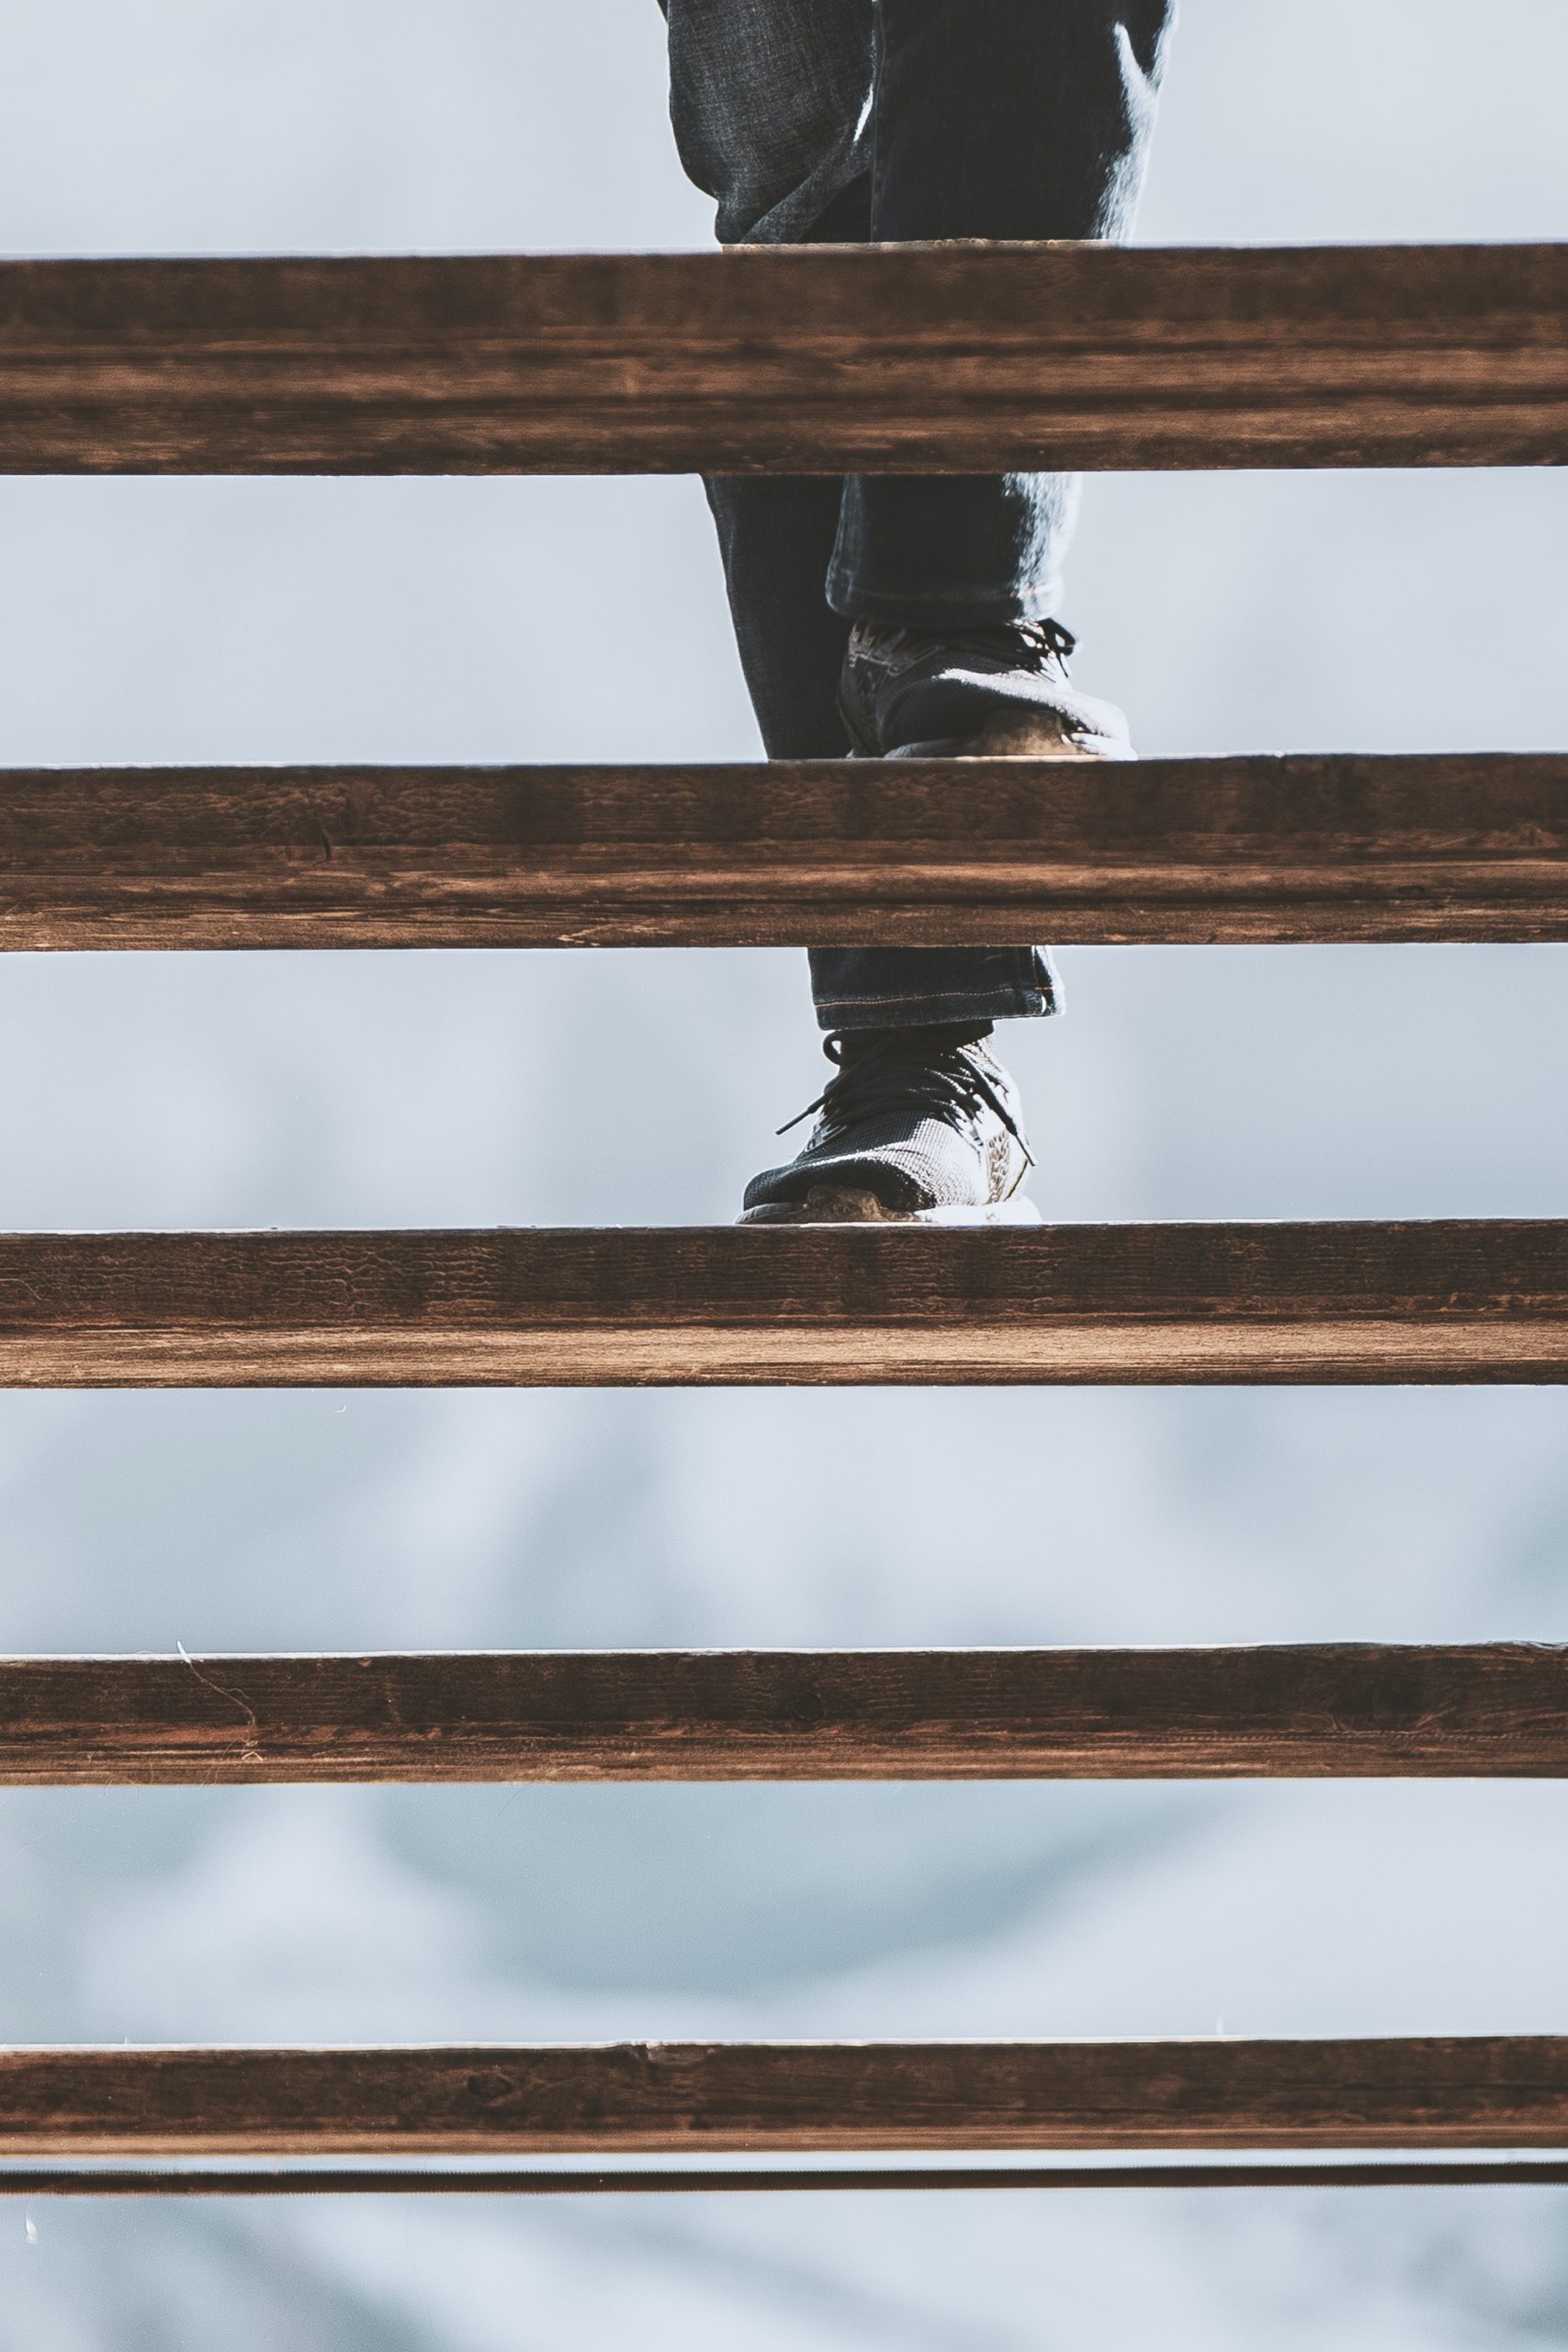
(920,1127)
(996,692)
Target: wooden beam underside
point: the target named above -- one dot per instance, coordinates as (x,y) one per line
(990,852)
(768,2097)
(94,2180)
(1343,1710)
(1445,1301)
(960,359)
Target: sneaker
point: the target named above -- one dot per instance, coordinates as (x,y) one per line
(920,1127)
(996,692)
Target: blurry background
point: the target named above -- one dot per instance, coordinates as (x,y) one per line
(464,620)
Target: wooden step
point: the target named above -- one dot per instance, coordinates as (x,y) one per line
(500,2099)
(923,853)
(1359,1709)
(1450,1300)
(963,359)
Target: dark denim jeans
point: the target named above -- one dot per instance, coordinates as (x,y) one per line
(900,120)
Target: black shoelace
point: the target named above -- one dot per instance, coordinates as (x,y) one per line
(900,1070)
(1040,641)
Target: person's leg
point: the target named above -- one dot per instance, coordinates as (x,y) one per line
(776,535)
(1011,118)
(918,120)
(770,102)
(994,118)
(774,102)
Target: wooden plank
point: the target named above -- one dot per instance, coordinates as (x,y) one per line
(1345,1710)
(119,2181)
(768,2097)
(901,360)
(809,853)
(1449,1300)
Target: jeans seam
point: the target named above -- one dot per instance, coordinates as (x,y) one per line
(853,602)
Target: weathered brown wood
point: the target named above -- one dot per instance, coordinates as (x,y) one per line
(956,358)
(809,853)
(691,1306)
(97,2180)
(1356,1709)
(766,2097)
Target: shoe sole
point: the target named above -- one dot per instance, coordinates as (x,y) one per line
(1010,734)
(842,1206)
(975,747)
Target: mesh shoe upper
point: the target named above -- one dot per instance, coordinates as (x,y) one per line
(913,1117)
(1001,689)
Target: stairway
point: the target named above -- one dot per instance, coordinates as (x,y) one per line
(794,361)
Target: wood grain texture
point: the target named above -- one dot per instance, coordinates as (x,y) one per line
(1347,1710)
(764,2097)
(695,1306)
(942,358)
(796,853)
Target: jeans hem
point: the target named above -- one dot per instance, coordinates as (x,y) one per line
(1010,1004)
(936,609)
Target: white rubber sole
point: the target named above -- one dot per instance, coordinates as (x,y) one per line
(845,1207)
(971,747)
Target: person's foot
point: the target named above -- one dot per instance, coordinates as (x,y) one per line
(921,1126)
(999,691)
